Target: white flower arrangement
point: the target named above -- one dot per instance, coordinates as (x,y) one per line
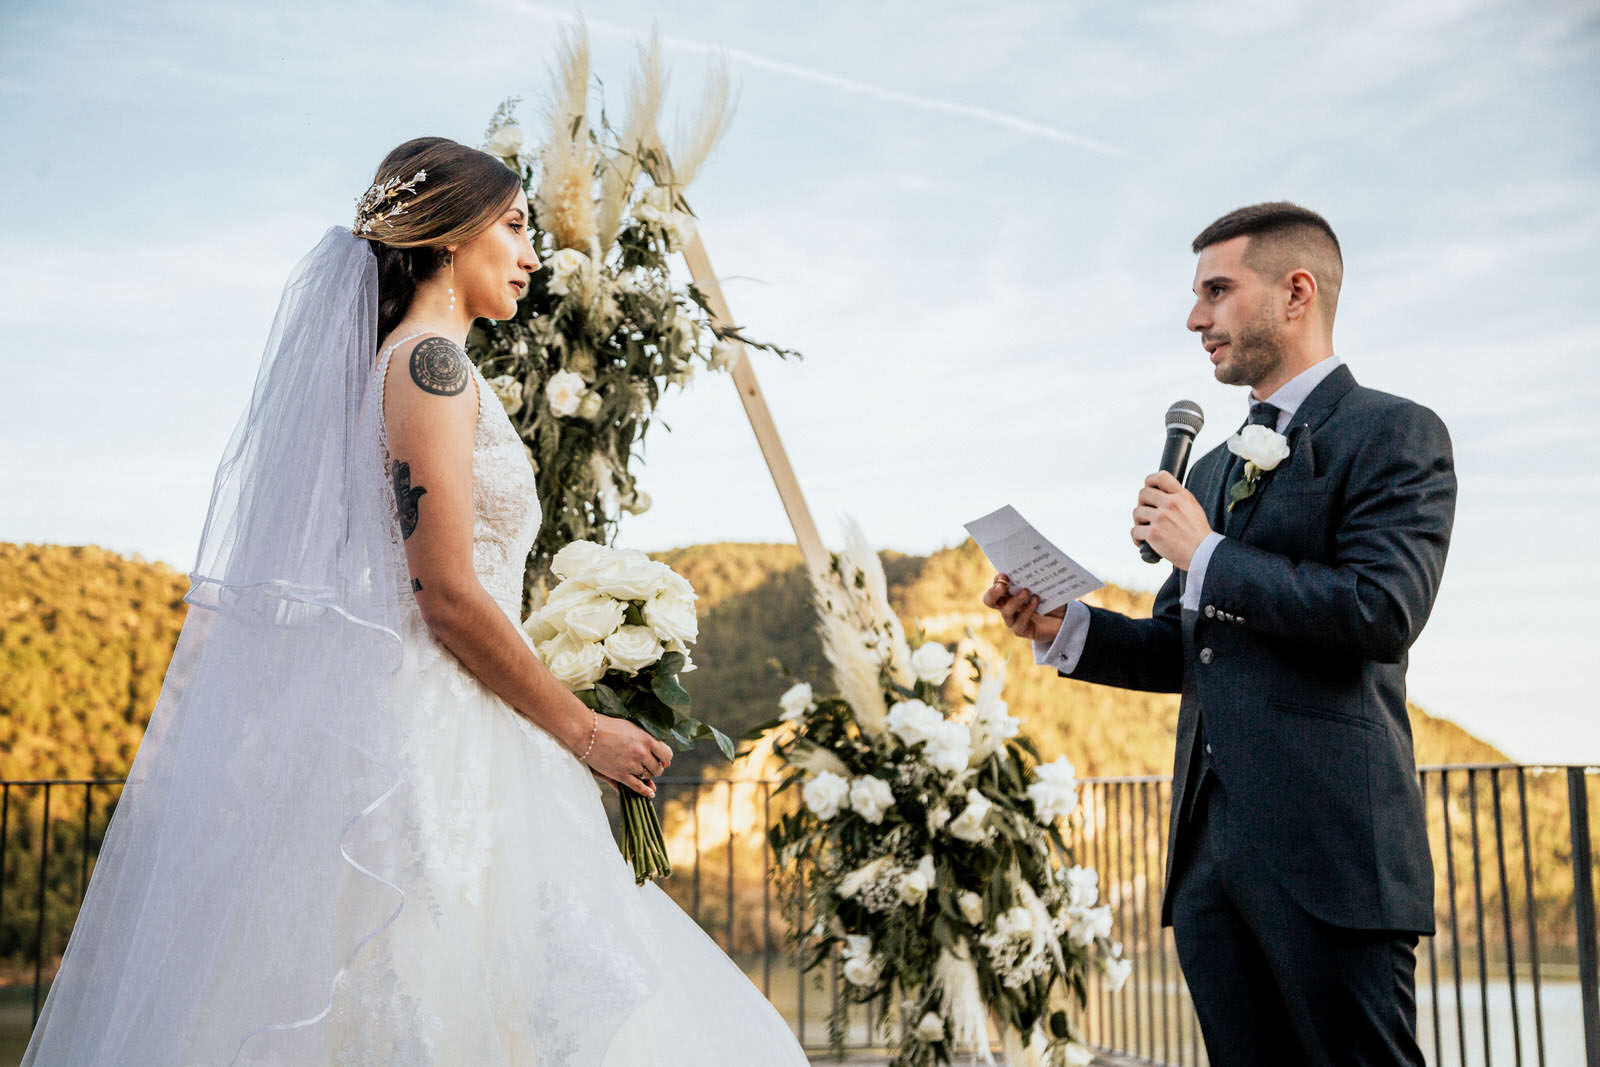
(617,631)
(931,840)
(604,328)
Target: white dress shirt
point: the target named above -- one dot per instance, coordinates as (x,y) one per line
(1063,652)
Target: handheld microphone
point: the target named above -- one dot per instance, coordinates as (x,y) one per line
(1184,420)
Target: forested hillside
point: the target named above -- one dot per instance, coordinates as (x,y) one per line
(85,637)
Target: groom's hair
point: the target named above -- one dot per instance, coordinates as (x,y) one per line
(1284,237)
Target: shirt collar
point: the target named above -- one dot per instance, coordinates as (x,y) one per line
(1293,392)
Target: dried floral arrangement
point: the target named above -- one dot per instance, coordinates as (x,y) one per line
(603,330)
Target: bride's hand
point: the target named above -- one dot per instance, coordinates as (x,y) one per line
(627,755)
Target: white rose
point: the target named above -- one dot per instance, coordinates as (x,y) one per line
(1014,922)
(1077,1055)
(509,390)
(724,354)
(583,613)
(1261,445)
(1055,790)
(855,882)
(950,747)
(565,392)
(633,576)
(672,616)
(505,142)
(1083,887)
(589,407)
(538,629)
(1117,972)
(870,798)
(932,663)
(861,971)
(913,722)
(633,648)
(567,266)
(825,795)
(913,888)
(578,559)
(930,1028)
(992,727)
(796,701)
(573,664)
(1088,924)
(968,826)
(971,905)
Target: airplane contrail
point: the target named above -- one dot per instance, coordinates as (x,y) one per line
(834,81)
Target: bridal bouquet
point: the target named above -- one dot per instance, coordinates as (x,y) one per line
(930,842)
(617,631)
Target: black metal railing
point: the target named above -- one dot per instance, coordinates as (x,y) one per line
(1509,978)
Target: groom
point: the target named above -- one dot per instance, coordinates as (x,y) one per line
(1298,872)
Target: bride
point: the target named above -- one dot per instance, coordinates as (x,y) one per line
(364,825)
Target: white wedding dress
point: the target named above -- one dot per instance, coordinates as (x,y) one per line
(523,941)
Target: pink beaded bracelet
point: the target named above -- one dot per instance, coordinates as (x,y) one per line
(594,728)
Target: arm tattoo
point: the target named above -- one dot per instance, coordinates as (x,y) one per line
(405,499)
(439,367)
(416,585)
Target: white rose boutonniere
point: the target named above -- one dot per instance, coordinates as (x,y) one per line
(1262,449)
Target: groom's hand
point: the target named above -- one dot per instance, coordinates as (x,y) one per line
(1019,610)
(1169,519)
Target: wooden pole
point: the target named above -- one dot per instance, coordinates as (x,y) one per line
(755,409)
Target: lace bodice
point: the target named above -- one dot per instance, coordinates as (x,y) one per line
(505,496)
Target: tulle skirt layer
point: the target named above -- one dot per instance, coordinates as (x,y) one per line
(523,940)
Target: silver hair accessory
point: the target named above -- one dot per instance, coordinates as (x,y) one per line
(381,202)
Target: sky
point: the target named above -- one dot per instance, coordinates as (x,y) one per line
(972,220)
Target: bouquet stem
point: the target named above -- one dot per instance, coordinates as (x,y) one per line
(642,843)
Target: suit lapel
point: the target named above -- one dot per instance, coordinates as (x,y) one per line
(1310,415)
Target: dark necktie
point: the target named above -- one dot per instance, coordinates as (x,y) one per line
(1262,414)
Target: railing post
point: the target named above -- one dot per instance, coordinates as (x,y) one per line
(1583,900)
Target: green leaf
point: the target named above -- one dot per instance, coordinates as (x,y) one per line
(666,687)
(608,702)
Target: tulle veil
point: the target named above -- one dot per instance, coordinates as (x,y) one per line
(264,834)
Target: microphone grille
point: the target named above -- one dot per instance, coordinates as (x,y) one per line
(1185,415)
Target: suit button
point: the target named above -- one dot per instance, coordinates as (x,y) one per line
(1208,748)
(1239,619)
(1211,611)
(1205,655)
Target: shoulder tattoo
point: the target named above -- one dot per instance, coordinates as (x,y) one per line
(439,366)
(406,496)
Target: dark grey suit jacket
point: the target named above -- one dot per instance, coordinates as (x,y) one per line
(1297,658)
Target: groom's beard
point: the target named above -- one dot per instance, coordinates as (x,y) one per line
(1256,351)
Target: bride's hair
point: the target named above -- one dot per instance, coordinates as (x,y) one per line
(462,193)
